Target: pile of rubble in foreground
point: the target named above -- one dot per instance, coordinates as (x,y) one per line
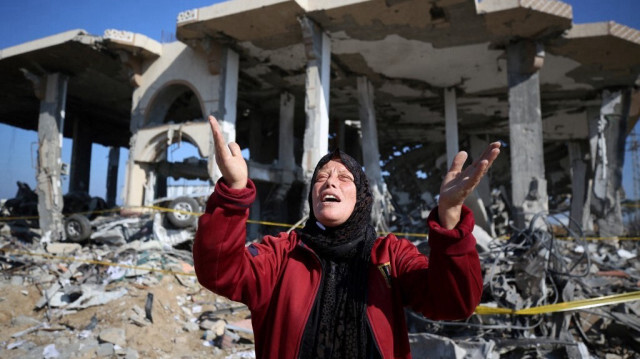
(130,292)
(534,268)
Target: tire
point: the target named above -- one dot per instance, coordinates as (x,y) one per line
(180,219)
(77,228)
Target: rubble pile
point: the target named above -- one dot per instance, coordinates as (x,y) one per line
(535,268)
(128,292)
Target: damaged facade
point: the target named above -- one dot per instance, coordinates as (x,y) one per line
(401,85)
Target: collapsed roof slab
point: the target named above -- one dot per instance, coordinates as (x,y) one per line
(98,88)
(531,19)
(607,53)
(269,24)
(410,50)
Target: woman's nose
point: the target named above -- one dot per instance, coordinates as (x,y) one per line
(332,180)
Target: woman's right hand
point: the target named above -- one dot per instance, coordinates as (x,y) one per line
(229,158)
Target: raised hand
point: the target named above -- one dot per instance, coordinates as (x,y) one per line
(458,183)
(229,158)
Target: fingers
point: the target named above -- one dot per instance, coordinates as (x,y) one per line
(458,162)
(218,140)
(235,149)
(482,164)
(487,153)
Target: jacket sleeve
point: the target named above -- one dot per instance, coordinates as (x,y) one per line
(447,285)
(222,262)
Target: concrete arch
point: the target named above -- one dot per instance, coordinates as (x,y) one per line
(153,141)
(149,146)
(161,100)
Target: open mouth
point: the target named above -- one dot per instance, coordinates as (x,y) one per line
(330,198)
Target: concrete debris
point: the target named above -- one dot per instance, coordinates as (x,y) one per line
(114,336)
(118,296)
(533,268)
(425,345)
(50,352)
(63,248)
(113,299)
(84,297)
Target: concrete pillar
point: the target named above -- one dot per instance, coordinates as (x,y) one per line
(149,187)
(477,146)
(580,185)
(451,124)
(480,198)
(286,158)
(50,126)
(227,104)
(371,152)
(316,134)
(529,186)
(112,175)
(80,158)
(607,154)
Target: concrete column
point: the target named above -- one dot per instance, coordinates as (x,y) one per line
(451,124)
(579,186)
(149,186)
(480,198)
(316,135)
(286,157)
(112,175)
(80,158)
(371,152)
(529,186)
(227,104)
(50,126)
(477,146)
(608,159)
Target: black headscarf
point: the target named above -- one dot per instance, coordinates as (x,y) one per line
(337,326)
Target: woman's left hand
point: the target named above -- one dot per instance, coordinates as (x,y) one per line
(458,183)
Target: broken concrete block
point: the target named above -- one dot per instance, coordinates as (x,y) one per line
(105,350)
(209,335)
(131,354)
(190,326)
(63,248)
(15,344)
(90,295)
(114,336)
(50,352)
(17,280)
(23,320)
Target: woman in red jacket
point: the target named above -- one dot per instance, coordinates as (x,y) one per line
(333,289)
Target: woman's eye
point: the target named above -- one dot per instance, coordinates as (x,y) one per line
(346,179)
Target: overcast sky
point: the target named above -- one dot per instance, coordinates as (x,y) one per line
(26,20)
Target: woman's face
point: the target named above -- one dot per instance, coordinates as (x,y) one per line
(334,194)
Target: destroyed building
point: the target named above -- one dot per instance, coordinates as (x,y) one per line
(402,85)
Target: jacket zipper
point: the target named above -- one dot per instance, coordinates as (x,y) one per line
(315,296)
(373,336)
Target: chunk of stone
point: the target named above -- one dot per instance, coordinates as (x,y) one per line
(115,336)
(105,350)
(63,248)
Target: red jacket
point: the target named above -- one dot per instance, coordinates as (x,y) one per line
(279,277)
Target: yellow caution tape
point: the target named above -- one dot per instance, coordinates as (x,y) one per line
(92,261)
(563,307)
